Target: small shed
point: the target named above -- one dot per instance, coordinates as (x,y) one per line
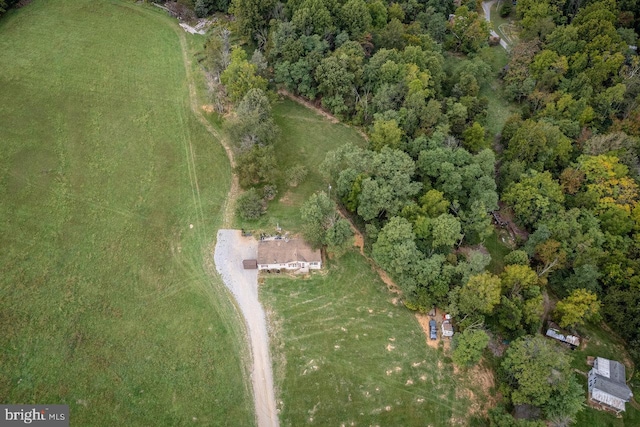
(572,340)
(250,264)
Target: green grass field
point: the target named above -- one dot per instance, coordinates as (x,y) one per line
(107,301)
(344,353)
(306,137)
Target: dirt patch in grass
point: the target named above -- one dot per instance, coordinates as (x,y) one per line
(474,381)
(466,250)
(286,199)
(207,108)
(423,320)
(358,242)
(484,379)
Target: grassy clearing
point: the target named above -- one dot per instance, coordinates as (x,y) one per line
(499,108)
(107,303)
(498,250)
(306,137)
(343,353)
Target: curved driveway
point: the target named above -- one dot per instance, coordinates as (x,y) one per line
(231,249)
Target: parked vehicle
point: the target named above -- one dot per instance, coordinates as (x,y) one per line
(433,329)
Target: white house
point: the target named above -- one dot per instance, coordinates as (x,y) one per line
(607,384)
(289,254)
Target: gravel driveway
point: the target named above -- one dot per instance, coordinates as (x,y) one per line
(231,249)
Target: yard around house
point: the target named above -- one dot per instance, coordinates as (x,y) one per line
(344,348)
(346,352)
(602,342)
(108,301)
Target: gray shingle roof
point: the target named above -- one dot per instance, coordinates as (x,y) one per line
(610,378)
(282,251)
(619,390)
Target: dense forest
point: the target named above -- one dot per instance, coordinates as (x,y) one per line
(565,167)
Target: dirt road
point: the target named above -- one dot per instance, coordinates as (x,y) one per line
(231,249)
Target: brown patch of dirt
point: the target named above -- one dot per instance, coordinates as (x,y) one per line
(466,250)
(207,108)
(358,242)
(516,233)
(286,199)
(391,286)
(423,320)
(481,378)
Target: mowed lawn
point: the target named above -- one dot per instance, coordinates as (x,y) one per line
(111,193)
(345,354)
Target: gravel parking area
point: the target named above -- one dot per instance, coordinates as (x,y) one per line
(231,249)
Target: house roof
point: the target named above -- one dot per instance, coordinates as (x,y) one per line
(610,378)
(283,251)
(607,399)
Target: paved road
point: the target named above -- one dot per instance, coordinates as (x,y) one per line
(231,249)
(486,7)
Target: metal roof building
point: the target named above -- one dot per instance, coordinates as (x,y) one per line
(607,384)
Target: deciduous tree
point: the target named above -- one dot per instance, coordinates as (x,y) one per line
(480,294)
(468,347)
(240,76)
(535,369)
(580,306)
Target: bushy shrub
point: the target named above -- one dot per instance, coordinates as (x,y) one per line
(296,175)
(506,8)
(250,205)
(269,192)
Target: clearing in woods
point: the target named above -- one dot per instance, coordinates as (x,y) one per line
(344,349)
(108,304)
